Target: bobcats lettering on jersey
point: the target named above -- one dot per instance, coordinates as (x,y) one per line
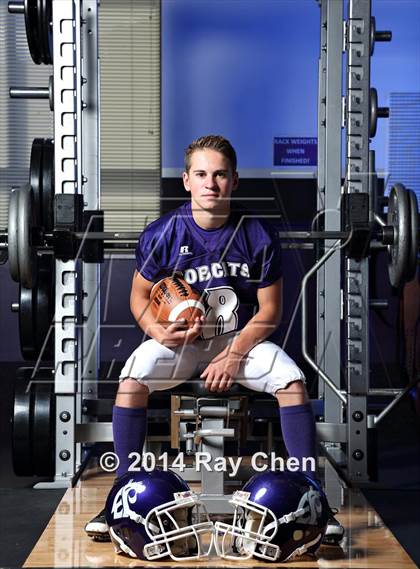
(204,273)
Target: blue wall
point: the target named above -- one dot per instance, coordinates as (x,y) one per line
(248,69)
(395,66)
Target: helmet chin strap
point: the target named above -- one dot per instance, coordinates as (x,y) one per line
(286,519)
(303,548)
(248,546)
(120,545)
(140,520)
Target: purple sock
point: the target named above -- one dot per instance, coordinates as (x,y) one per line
(299,433)
(129,429)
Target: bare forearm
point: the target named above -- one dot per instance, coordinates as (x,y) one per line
(140,309)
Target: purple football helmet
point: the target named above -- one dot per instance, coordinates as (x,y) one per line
(277,516)
(154,514)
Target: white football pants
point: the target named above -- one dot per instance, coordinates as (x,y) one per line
(267,368)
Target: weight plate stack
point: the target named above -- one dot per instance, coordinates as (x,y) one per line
(26,323)
(31,25)
(48,185)
(38,20)
(41,179)
(21,427)
(27,257)
(35,177)
(12,235)
(33,426)
(36,313)
(43,429)
(40,30)
(45,307)
(414,236)
(46,14)
(398,218)
(21,246)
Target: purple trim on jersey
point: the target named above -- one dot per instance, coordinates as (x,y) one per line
(228,265)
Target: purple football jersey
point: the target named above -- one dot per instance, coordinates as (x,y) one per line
(227,265)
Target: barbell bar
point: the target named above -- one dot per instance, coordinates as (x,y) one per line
(16,7)
(25,238)
(128,239)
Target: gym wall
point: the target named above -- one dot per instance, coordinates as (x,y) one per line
(249,69)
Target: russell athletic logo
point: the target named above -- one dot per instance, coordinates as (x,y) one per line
(184,250)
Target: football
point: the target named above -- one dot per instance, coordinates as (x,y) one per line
(173,299)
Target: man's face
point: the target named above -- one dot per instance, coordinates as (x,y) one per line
(210,180)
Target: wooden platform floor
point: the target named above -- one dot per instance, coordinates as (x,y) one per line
(368,542)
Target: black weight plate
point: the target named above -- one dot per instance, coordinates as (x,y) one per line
(372,34)
(27,333)
(43,308)
(47,31)
(22,428)
(27,258)
(12,236)
(399,218)
(40,30)
(51,92)
(373,112)
(43,429)
(35,177)
(48,185)
(414,236)
(31,24)
(35,22)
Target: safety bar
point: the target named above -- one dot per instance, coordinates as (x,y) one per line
(306,355)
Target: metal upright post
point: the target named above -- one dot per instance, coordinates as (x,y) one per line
(321,162)
(328,356)
(68,178)
(76,151)
(90,352)
(356,285)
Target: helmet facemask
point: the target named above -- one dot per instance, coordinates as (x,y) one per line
(255,527)
(176,530)
(250,533)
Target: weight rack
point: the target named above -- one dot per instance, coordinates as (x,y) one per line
(77,308)
(77,177)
